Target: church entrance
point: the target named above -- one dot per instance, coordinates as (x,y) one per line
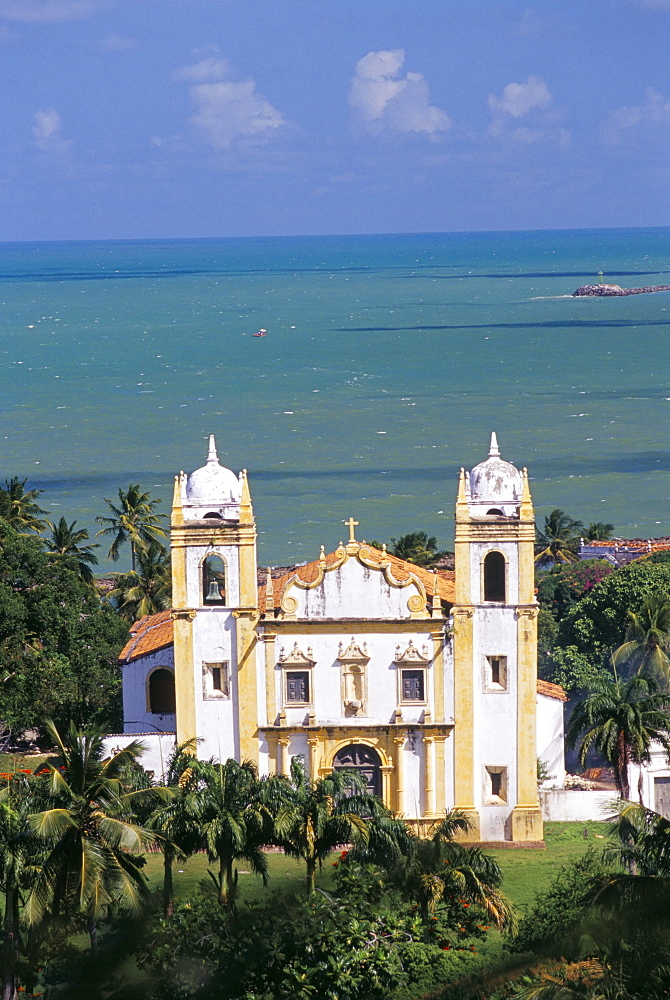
(365,760)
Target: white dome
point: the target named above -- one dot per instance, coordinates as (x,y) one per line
(495,481)
(213,483)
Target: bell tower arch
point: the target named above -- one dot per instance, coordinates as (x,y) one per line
(214,594)
(495,652)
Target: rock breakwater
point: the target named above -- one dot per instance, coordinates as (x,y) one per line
(618,290)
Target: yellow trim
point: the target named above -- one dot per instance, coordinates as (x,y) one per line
(529,821)
(271,708)
(184,675)
(247,693)
(440,775)
(464,778)
(438,676)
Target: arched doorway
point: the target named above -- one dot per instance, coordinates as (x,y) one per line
(161,692)
(365,760)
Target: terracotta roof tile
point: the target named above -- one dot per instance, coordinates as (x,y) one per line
(550,690)
(150,633)
(308,573)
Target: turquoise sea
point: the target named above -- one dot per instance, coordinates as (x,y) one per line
(387,363)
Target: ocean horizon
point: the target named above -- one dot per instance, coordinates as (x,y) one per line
(388,361)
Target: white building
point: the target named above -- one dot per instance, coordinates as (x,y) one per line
(425,682)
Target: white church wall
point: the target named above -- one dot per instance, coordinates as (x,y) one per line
(195,556)
(478,551)
(136,716)
(550,739)
(353,591)
(216,722)
(157,750)
(382,678)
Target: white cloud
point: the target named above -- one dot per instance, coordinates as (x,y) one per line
(520,98)
(385,99)
(33,11)
(47,132)
(654,115)
(213,68)
(227,110)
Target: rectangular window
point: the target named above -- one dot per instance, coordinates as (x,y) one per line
(216,680)
(412,685)
(495,673)
(297,687)
(495,786)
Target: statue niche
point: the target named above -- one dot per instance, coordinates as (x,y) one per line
(353,664)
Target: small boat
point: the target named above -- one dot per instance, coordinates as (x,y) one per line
(260,333)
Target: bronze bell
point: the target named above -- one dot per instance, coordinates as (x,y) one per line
(213,593)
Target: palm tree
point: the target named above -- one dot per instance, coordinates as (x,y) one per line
(416,547)
(647,639)
(19,854)
(559,540)
(18,507)
(133,520)
(65,543)
(622,719)
(598,531)
(233,820)
(93,861)
(147,589)
(438,870)
(319,816)
(177,822)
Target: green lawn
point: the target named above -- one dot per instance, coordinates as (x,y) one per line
(286,875)
(527,872)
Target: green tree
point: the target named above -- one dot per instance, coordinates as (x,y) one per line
(59,644)
(319,816)
(133,520)
(558,541)
(598,622)
(177,821)
(417,547)
(65,543)
(598,531)
(565,584)
(147,589)
(94,861)
(19,859)
(622,719)
(233,820)
(443,875)
(19,507)
(648,639)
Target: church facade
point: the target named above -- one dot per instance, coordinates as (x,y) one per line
(425,682)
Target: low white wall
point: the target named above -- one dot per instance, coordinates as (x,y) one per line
(159,746)
(567,806)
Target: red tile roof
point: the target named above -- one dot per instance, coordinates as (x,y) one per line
(550,690)
(147,635)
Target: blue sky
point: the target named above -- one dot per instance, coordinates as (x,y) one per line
(184,118)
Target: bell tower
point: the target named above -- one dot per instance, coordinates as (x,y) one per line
(495,653)
(214,595)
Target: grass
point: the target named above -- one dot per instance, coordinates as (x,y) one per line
(527,872)
(287,875)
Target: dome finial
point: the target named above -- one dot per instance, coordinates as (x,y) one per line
(211,455)
(494,450)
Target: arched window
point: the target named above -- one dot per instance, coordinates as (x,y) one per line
(213,580)
(494,577)
(363,759)
(161,692)
(495,511)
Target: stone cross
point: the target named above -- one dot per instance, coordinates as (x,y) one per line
(351,524)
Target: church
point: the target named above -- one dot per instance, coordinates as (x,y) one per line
(425,682)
